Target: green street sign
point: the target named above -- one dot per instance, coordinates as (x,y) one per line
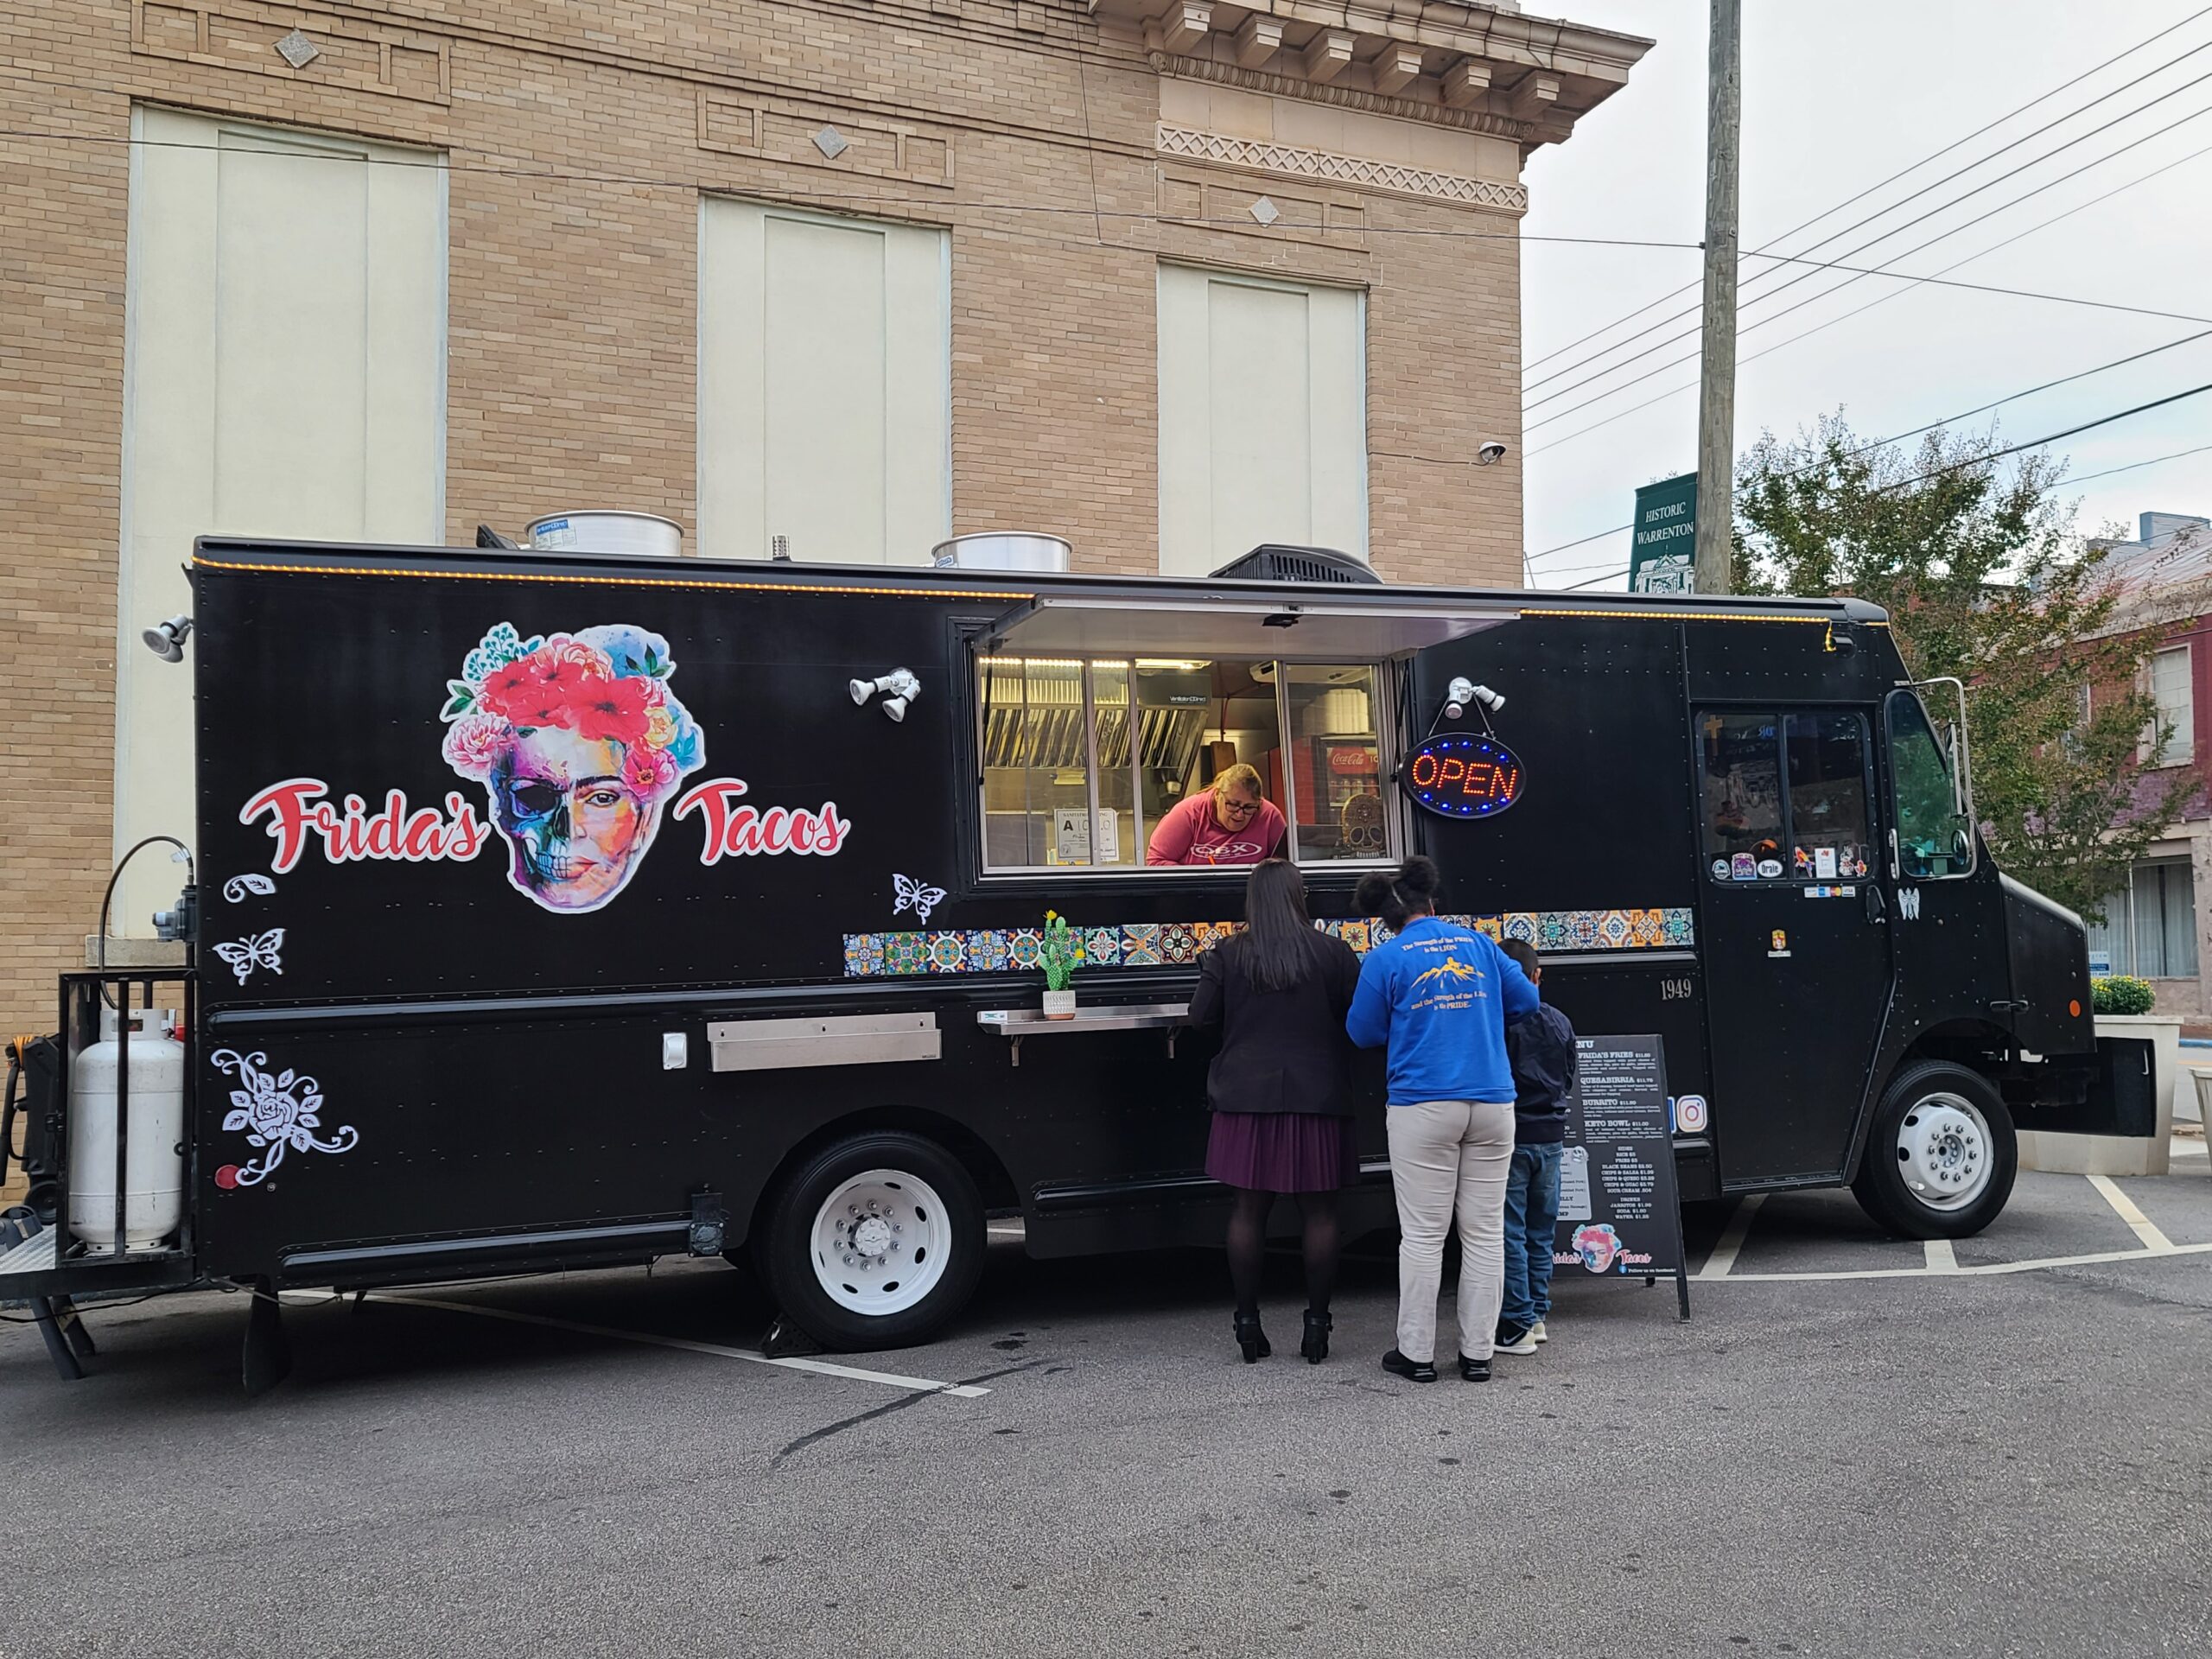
(1662,546)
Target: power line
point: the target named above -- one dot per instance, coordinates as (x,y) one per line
(2067,379)
(1884,212)
(1896,437)
(1831,322)
(2068,483)
(1987,127)
(1879,270)
(2056,484)
(2037,443)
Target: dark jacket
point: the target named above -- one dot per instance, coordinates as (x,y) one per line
(1281,1051)
(1541,1048)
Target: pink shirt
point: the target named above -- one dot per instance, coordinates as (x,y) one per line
(1192,834)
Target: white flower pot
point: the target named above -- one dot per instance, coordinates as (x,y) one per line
(1059,1005)
(2115,1155)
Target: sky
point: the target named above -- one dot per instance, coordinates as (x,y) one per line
(1837,99)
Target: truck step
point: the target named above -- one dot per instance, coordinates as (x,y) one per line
(34,1255)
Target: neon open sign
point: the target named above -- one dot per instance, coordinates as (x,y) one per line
(1463,776)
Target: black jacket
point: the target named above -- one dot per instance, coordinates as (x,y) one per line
(1542,1048)
(1281,1051)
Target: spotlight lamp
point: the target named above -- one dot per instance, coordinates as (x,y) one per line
(898,689)
(166,639)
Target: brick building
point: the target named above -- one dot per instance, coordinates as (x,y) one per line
(1166,279)
(2156,926)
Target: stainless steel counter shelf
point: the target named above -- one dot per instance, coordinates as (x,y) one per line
(1017,1024)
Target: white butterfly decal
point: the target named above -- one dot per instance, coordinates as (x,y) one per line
(917,897)
(239,886)
(258,951)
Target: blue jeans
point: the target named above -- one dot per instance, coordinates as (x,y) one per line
(1531,1223)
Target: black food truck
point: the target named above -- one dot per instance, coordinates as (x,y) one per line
(563,910)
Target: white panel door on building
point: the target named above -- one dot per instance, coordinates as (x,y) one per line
(825,366)
(1263,417)
(284,373)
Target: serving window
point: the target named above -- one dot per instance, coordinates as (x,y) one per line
(1083,757)
(1785,795)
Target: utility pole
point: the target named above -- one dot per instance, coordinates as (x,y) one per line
(1716,403)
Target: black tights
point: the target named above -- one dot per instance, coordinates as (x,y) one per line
(1248,1244)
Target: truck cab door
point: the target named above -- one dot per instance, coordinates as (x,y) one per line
(1794,932)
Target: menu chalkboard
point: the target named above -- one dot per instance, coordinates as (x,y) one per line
(1618,1213)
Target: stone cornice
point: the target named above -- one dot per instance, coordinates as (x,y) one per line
(1347,98)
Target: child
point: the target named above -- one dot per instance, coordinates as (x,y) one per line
(1540,1046)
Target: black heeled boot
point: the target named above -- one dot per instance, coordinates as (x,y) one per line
(1315,1347)
(1251,1338)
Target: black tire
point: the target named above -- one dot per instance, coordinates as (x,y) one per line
(1885,1188)
(788,1252)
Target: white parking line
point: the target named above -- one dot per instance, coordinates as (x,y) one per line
(2145,1228)
(820,1367)
(1730,1242)
(1980,1270)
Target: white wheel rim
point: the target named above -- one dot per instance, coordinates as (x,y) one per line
(1943,1152)
(880,1242)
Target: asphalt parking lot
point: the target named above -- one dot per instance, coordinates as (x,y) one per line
(1856,1445)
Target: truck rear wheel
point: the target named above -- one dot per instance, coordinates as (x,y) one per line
(1940,1154)
(875,1242)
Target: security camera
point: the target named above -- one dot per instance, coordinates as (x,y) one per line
(1490,454)
(166,639)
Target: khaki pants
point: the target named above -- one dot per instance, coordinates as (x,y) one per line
(1448,1154)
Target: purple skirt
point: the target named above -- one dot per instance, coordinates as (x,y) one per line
(1283,1152)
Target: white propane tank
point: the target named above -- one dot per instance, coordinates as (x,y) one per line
(155,1176)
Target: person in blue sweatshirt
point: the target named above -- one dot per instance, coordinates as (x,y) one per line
(1439,996)
(1541,1046)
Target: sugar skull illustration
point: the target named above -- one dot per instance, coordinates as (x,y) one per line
(578,740)
(1598,1245)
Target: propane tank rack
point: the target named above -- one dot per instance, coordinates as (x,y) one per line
(91,1250)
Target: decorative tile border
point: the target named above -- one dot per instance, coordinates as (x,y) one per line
(1155,945)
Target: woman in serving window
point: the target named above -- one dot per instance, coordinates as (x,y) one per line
(1232,822)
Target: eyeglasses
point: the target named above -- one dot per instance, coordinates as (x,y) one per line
(1240,809)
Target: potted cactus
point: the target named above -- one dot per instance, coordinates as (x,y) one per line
(1057,956)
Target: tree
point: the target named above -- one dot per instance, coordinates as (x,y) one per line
(1983,578)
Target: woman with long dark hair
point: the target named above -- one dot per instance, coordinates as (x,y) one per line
(1439,995)
(1281,1090)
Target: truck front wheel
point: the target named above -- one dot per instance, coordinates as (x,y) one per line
(1940,1154)
(874,1242)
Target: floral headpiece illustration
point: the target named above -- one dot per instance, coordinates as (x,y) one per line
(578,742)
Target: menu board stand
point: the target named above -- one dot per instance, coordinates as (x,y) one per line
(1619,1213)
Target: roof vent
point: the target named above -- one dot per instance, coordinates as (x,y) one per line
(1273,562)
(1005,550)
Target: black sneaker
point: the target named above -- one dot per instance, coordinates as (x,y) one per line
(1414,1370)
(1473,1370)
(1514,1338)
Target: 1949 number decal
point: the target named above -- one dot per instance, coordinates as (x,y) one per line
(1675,990)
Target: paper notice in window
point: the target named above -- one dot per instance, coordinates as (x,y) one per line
(1824,863)
(1072,835)
(1108,837)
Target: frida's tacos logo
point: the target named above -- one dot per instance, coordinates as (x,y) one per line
(580,743)
(578,740)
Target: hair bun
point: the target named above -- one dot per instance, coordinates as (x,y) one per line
(1418,877)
